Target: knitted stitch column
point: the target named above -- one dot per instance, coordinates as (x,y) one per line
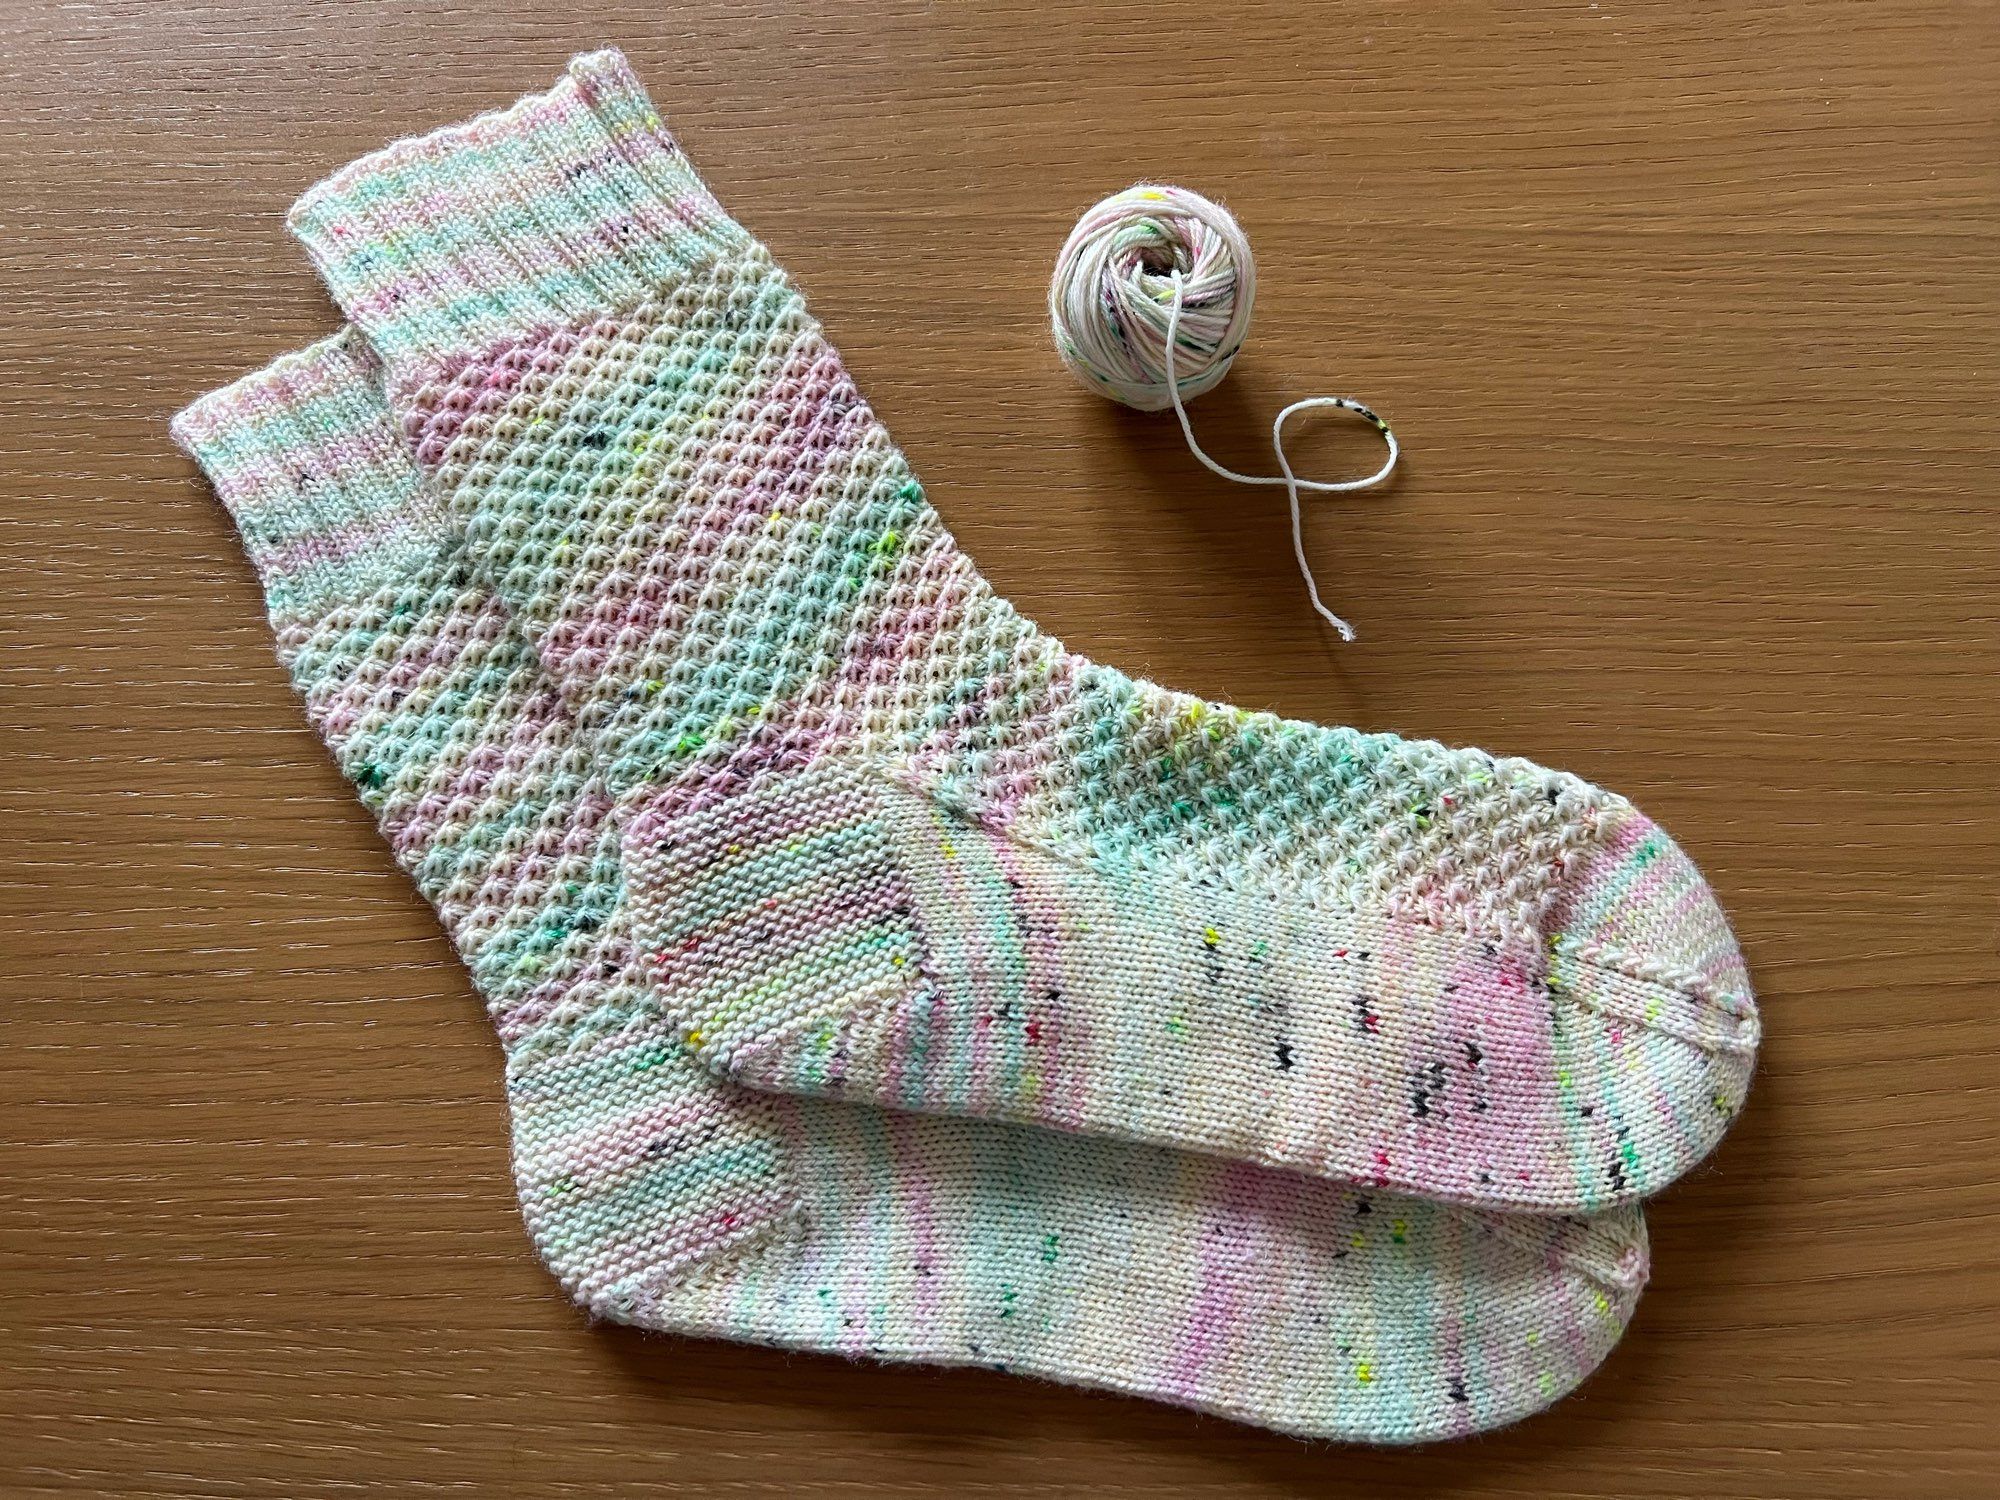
(890,841)
(663,1197)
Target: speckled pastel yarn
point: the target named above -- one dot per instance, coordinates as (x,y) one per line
(1111,298)
(1151,302)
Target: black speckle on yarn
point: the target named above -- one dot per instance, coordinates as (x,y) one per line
(1365,1019)
(1425,1089)
(1285,1058)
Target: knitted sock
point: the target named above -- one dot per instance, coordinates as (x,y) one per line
(663,1197)
(889,840)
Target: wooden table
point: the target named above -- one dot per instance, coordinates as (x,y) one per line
(1687,316)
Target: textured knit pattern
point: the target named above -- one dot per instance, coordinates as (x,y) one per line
(741,591)
(666,1198)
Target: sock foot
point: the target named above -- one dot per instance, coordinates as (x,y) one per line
(836,931)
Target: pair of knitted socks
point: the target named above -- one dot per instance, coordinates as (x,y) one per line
(874,974)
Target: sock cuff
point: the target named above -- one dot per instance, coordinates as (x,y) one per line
(568,204)
(308,461)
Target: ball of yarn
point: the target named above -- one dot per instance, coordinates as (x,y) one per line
(1115,285)
(1151,301)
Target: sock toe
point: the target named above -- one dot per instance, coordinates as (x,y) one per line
(1656,1030)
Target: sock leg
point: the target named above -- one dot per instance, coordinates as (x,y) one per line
(456,740)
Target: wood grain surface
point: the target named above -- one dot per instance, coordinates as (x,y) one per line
(1687,316)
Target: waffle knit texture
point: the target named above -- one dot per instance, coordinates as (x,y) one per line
(664,1197)
(888,841)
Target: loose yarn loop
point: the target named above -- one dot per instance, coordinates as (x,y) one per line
(1156,280)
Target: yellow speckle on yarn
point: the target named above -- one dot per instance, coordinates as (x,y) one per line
(1210,936)
(694,1038)
(1364,1373)
(948,849)
(1155,195)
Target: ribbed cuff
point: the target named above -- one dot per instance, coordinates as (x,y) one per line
(568,205)
(305,455)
